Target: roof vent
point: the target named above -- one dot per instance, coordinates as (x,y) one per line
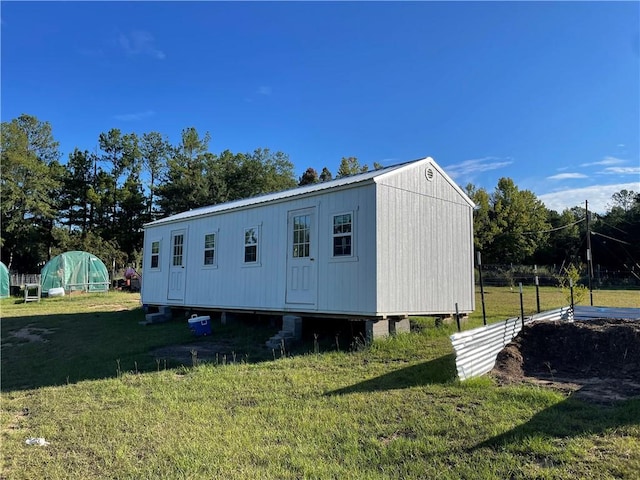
(429,173)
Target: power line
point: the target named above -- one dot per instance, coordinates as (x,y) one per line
(610,238)
(555,229)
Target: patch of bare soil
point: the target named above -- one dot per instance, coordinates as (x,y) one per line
(205,351)
(595,360)
(28,334)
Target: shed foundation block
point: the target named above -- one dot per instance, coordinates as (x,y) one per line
(376,329)
(226,318)
(292,324)
(399,325)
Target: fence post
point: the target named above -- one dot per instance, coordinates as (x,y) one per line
(457,317)
(571,290)
(521,306)
(484,313)
(535,269)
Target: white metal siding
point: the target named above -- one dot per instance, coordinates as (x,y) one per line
(344,287)
(425,241)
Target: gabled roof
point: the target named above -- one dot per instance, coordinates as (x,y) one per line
(343,182)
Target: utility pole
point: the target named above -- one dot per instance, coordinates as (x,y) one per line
(589,256)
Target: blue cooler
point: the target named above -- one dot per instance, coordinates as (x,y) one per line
(200,326)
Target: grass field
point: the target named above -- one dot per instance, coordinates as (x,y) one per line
(392,409)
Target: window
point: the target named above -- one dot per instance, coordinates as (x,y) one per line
(342,235)
(155,254)
(251,239)
(210,249)
(178,245)
(301,236)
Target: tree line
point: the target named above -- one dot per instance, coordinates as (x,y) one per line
(98,201)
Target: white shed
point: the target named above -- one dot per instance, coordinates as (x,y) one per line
(387,243)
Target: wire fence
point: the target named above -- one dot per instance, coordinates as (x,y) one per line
(510,275)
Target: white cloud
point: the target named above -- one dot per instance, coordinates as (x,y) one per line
(132,117)
(264,90)
(605,161)
(476,165)
(564,176)
(140,42)
(622,170)
(598,196)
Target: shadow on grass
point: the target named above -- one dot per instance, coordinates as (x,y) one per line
(438,371)
(569,418)
(59,349)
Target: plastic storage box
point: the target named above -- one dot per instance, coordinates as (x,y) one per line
(200,326)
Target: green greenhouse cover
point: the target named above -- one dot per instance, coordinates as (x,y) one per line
(4,281)
(75,271)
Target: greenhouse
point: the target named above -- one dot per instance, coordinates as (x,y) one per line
(4,281)
(75,271)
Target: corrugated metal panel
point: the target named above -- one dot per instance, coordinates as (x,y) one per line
(588,313)
(477,349)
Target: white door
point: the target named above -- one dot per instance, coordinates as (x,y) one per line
(176,266)
(302,269)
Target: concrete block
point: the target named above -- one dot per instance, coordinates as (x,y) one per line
(226,318)
(399,325)
(376,329)
(292,324)
(155,317)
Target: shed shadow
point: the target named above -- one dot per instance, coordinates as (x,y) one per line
(438,371)
(570,418)
(61,349)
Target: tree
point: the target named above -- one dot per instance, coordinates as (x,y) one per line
(520,220)
(131,217)
(624,199)
(29,184)
(510,224)
(564,242)
(310,176)
(76,201)
(185,184)
(326,175)
(614,236)
(483,225)
(350,166)
(155,151)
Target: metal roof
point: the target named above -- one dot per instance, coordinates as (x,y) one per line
(291,193)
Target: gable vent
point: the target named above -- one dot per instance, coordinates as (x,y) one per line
(429,173)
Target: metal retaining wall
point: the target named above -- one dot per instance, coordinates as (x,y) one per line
(477,349)
(589,313)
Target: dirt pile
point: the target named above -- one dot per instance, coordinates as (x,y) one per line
(598,360)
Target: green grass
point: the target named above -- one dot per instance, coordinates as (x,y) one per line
(391,410)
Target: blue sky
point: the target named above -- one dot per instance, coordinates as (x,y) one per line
(546,93)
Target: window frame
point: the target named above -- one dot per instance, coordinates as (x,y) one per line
(352,234)
(256,262)
(155,255)
(206,249)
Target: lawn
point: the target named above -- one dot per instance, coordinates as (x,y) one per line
(392,409)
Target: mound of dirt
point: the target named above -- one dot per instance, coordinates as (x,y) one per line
(597,360)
